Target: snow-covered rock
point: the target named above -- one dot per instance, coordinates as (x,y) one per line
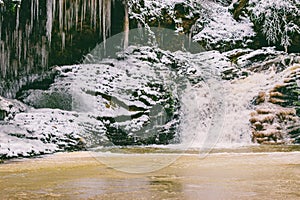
(135,98)
(40,131)
(221,31)
(9,108)
(209,23)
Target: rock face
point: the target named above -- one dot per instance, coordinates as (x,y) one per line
(146,95)
(276,119)
(207,22)
(134,98)
(271,126)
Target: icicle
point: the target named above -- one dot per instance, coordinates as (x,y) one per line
(19,46)
(84,9)
(49,19)
(104,20)
(65,16)
(37,9)
(60,15)
(81,17)
(63,40)
(1,20)
(126,27)
(95,15)
(91,13)
(54,8)
(108,16)
(100,16)
(70,21)
(18,18)
(25,49)
(76,14)
(3,58)
(32,14)
(44,52)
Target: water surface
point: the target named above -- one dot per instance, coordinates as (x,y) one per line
(221,175)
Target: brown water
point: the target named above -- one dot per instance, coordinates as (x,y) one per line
(217,176)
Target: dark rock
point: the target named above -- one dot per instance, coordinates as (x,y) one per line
(258,126)
(3,114)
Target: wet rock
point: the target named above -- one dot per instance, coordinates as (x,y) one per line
(277,101)
(261,97)
(280,124)
(3,114)
(238,7)
(264,111)
(58,99)
(268,127)
(230,73)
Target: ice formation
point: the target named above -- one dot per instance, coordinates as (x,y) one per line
(29,48)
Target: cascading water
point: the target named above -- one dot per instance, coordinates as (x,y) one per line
(231,102)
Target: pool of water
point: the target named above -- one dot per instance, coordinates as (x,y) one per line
(261,172)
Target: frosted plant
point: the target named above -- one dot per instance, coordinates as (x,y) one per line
(277,18)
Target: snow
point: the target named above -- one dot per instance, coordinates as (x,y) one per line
(222,28)
(41,131)
(259,7)
(245,60)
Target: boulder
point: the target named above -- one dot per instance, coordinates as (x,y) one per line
(9,108)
